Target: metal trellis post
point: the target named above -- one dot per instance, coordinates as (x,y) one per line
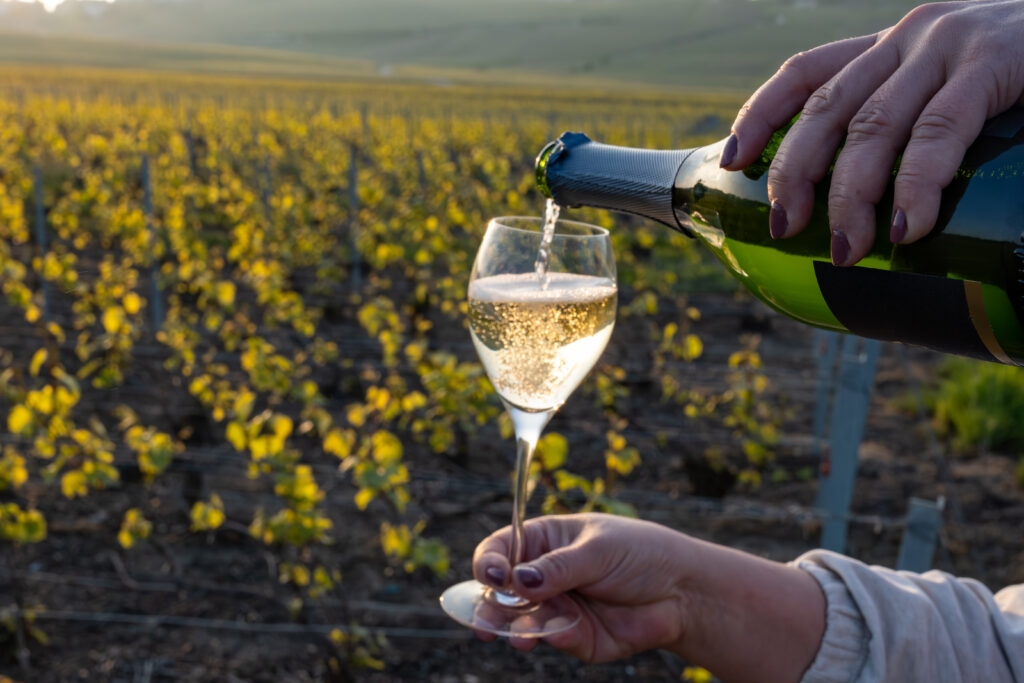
(157,309)
(856,374)
(40,220)
(353,202)
(924,519)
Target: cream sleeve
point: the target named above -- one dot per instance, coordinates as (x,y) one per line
(886,625)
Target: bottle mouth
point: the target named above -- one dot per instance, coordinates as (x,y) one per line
(547,154)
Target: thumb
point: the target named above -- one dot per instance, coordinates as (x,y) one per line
(559,571)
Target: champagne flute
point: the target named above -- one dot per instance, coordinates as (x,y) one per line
(538,332)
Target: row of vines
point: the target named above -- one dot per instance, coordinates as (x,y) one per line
(270,277)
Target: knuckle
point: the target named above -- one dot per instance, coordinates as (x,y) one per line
(929,10)
(936,124)
(946,26)
(850,197)
(786,167)
(797,64)
(823,99)
(911,180)
(601,546)
(933,24)
(873,121)
(742,114)
(840,199)
(928,13)
(557,567)
(778,179)
(802,70)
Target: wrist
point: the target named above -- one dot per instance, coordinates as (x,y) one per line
(747,618)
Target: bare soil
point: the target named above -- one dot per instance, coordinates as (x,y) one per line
(79,576)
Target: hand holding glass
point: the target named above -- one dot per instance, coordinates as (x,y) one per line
(538,336)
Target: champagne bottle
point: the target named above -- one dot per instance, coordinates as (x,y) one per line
(959,290)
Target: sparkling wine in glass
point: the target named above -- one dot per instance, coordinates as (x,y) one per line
(538,332)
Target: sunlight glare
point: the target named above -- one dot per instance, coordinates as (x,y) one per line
(51,5)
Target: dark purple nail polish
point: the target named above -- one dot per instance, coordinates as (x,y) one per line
(729,151)
(495,575)
(840,248)
(529,577)
(778,223)
(898,230)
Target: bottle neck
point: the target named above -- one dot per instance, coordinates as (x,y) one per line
(576,171)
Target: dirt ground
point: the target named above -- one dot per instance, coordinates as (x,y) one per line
(79,576)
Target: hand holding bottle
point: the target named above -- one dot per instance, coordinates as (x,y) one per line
(642,586)
(923,88)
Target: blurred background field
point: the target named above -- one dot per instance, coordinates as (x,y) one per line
(706,44)
(245,434)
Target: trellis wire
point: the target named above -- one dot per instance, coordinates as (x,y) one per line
(274,628)
(730,510)
(175,586)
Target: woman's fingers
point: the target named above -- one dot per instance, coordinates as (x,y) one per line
(808,150)
(948,124)
(927,83)
(560,562)
(563,554)
(490,560)
(875,135)
(783,95)
(559,571)
(577,641)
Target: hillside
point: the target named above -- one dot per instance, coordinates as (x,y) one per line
(726,44)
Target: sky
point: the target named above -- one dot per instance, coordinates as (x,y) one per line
(50,5)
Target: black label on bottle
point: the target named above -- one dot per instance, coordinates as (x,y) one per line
(926,310)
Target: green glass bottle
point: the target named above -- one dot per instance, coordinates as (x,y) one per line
(959,290)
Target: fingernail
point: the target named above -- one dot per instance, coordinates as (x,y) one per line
(899,227)
(529,577)
(729,151)
(840,248)
(495,575)
(777,221)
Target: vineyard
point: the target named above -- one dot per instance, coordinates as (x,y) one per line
(245,434)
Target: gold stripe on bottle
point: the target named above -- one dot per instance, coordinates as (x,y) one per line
(979,316)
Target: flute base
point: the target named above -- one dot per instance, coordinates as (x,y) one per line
(482,608)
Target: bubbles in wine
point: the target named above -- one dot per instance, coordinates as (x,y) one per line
(538,344)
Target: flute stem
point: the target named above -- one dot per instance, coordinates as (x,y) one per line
(528,428)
